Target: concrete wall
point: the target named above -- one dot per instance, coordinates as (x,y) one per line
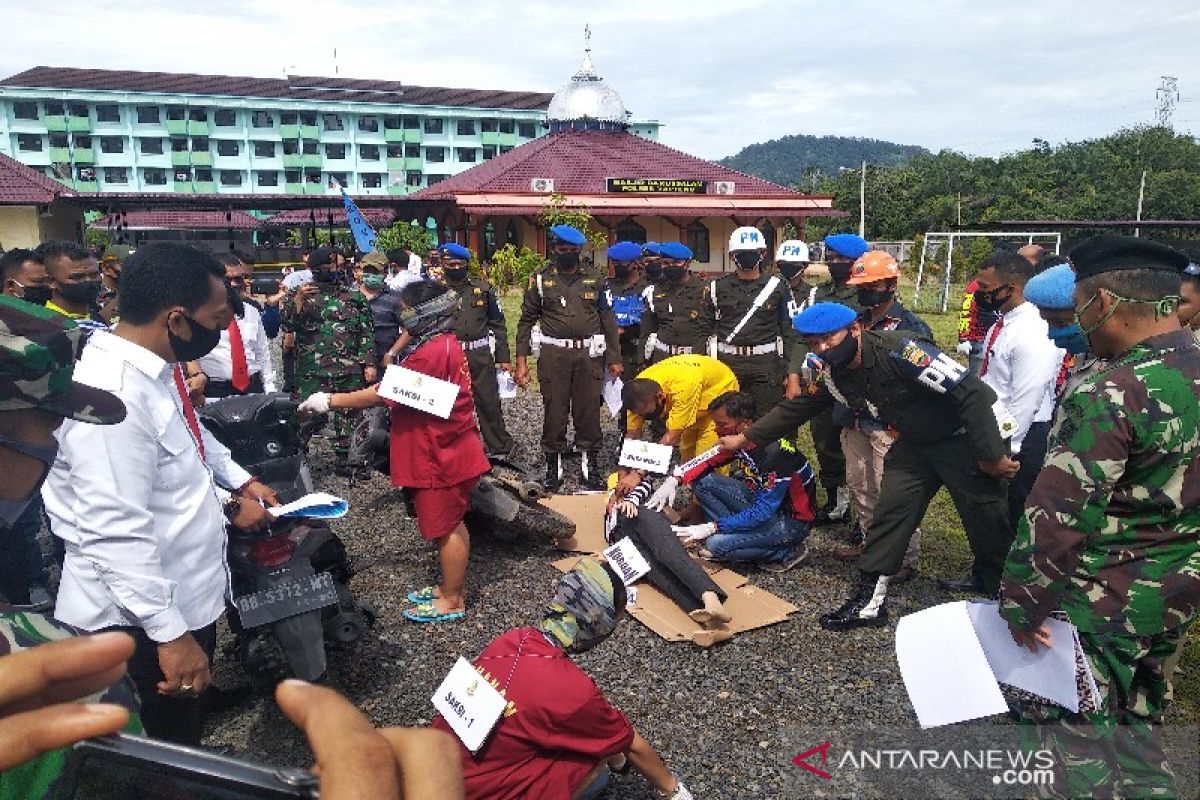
(19,227)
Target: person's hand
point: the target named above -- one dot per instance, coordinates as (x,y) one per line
(196,384)
(664,495)
(1030,639)
(627,481)
(251,516)
(316,403)
(370,374)
(689,534)
(733,443)
(38,688)
(305,293)
(184,665)
(521,375)
(963,349)
(504,366)
(257,490)
(615,370)
(353,760)
(627,509)
(792,387)
(1002,468)
(277,298)
(288,342)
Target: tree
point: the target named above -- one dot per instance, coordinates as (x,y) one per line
(410,236)
(559,211)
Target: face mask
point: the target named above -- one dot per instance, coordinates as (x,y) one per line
(83,294)
(790,271)
(457,274)
(675,274)
(747,259)
(659,409)
(622,272)
(842,353)
(324,275)
(869,298)
(567,262)
(1069,338)
(38,295)
(201,344)
(992,301)
(10,510)
(373,282)
(654,272)
(839,270)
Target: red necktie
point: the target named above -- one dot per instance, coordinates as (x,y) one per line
(189,411)
(237,352)
(987,350)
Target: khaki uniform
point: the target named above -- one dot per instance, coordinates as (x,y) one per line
(673,319)
(480,322)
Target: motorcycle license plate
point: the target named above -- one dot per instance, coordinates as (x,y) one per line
(286,599)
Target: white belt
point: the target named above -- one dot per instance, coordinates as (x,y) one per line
(752,350)
(570,344)
(475,345)
(675,350)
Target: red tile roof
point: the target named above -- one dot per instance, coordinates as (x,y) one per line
(181,220)
(25,186)
(377,217)
(580,161)
(294,87)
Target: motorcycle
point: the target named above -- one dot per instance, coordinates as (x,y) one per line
(291,581)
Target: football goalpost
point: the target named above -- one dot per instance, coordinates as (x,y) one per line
(948,238)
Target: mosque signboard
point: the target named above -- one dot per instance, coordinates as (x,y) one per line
(657,186)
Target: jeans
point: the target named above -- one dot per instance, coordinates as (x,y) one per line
(21,564)
(774,540)
(975,359)
(672,571)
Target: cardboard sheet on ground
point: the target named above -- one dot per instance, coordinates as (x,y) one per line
(751,606)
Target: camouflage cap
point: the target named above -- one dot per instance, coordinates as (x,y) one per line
(37,362)
(116,252)
(374,259)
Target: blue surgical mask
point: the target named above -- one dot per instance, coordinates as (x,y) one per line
(1069,338)
(10,510)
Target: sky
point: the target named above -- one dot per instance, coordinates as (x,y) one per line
(981,78)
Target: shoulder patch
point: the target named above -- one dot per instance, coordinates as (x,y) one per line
(929,366)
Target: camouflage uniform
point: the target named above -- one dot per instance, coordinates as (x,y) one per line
(1110,537)
(335,339)
(36,778)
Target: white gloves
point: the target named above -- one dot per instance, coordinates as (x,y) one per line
(694,533)
(681,791)
(963,349)
(664,495)
(316,403)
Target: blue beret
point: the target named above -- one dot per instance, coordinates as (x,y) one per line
(653,248)
(625,251)
(568,235)
(821,318)
(455,250)
(676,250)
(1053,288)
(847,244)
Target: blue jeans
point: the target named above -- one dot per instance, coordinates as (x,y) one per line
(20,555)
(774,540)
(597,787)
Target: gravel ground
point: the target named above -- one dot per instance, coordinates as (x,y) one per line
(720,717)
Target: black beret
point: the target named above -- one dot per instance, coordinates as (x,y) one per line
(1110,253)
(320,256)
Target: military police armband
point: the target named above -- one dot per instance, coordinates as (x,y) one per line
(929,366)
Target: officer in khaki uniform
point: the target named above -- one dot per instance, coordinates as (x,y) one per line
(671,325)
(578,337)
(480,326)
(746,315)
(625,290)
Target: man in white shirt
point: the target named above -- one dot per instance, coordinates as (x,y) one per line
(142,505)
(241,361)
(1021,364)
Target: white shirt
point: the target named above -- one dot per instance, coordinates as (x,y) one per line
(1022,366)
(218,364)
(138,509)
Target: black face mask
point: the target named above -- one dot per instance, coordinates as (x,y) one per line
(83,294)
(839,270)
(654,272)
(790,271)
(38,295)
(842,353)
(622,272)
(201,344)
(675,274)
(235,299)
(869,298)
(747,259)
(456,275)
(567,262)
(991,301)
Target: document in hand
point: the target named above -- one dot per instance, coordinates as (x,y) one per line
(317,504)
(612,395)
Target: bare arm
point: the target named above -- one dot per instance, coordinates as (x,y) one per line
(643,758)
(353,401)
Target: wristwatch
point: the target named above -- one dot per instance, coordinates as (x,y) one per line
(231,507)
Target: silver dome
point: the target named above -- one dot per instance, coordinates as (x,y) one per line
(587,97)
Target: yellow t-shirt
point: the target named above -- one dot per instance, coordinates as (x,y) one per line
(690,383)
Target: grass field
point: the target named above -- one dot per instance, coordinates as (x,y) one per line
(944,549)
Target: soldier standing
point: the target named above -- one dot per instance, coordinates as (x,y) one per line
(334,341)
(483,333)
(625,290)
(672,323)
(1109,531)
(578,337)
(746,314)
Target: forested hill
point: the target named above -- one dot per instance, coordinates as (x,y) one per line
(803,160)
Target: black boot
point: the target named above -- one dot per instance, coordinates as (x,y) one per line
(866,608)
(593,478)
(554,472)
(967,584)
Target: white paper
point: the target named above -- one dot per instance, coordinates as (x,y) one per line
(627,560)
(649,456)
(317,504)
(612,395)
(416,390)
(506,384)
(469,704)
(944,667)
(1048,673)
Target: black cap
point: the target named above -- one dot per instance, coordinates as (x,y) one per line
(319,257)
(1111,253)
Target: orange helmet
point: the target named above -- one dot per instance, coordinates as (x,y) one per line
(871,266)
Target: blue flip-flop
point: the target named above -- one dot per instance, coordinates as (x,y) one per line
(421,596)
(427,612)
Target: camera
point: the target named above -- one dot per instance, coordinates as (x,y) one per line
(264,286)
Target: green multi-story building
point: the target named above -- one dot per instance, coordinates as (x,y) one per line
(126,132)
